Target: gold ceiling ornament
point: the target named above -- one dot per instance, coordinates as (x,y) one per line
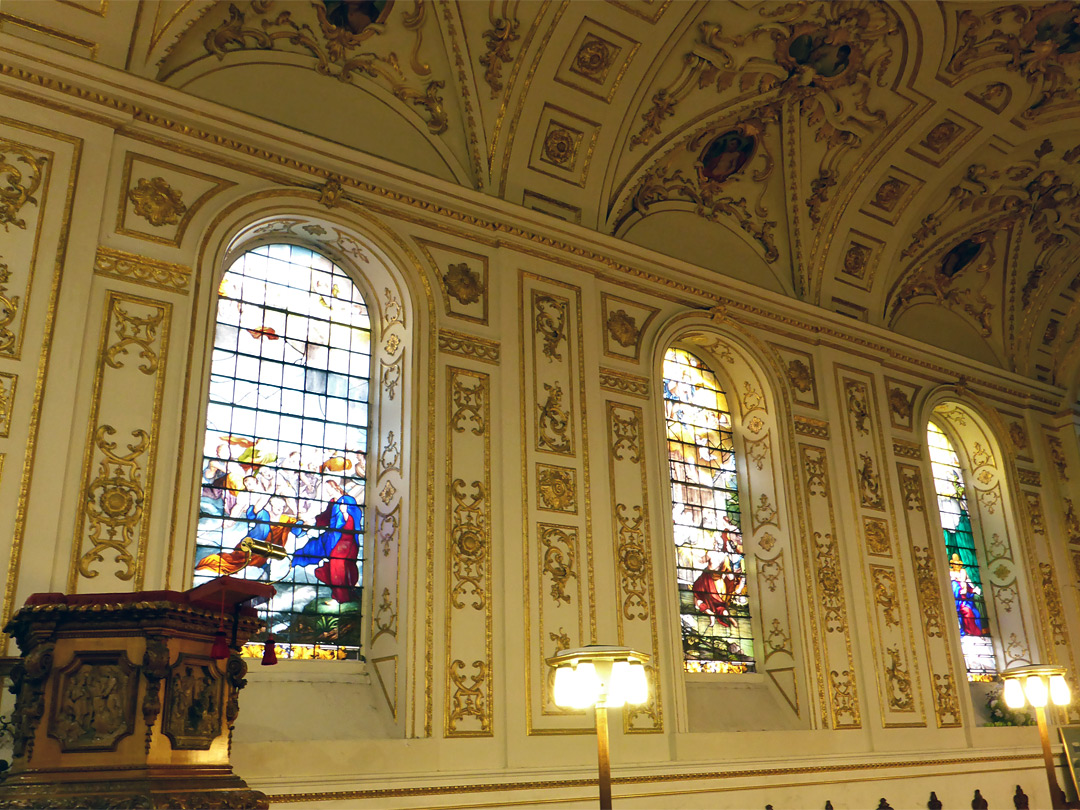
(1040,43)
(703,169)
(498,39)
(157,202)
(957,279)
(333,45)
(18,189)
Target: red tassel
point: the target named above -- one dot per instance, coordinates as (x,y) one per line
(219,650)
(269,654)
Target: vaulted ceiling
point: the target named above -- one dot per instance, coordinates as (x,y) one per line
(914,165)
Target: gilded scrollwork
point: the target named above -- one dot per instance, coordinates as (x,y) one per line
(625,435)
(559,546)
(1072,522)
(470,699)
(621,383)
(844,700)
(1016,651)
(393,312)
(1054,608)
(777,641)
(911,488)
(814,465)
(829,582)
(138,269)
(114,502)
(7,401)
(770,571)
(622,327)
(1006,597)
(869,484)
(389,456)
(497,40)
(633,560)
(876,532)
(386,528)
(553,422)
(21,172)
(752,399)
(549,320)
(141,332)
(764,512)
(469,394)
(800,375)
(9,309)
(901,698)
(900,404)
(946,704)
(475,348)
(858,405)
(1057,455)
(758,452)
(989,498)
(157,202)
(556,488)
(808,426)
(390,375)
(469,544)
(334,47)
(384,617)
(885,596)
(929,591)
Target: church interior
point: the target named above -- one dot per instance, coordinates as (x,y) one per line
(779,301)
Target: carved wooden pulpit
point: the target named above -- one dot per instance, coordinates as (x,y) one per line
(120,704)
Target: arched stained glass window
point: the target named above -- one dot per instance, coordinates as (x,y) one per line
(964,574)
(285,445)
(714,609)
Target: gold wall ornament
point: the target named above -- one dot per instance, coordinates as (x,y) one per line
(470,346)
(816,473)
(9,308)
(830,584)
(556,488)
(770,571)
(119,264)
(549,320)
(157,202)
(93,706)
(988,499)
(389,456)
(1054,608)
(134,331)
(858,406)
(558,545)
(561,144)
(7,402)
(876,532)
(1057,456)
(1018,436)
(929,592)
(901,698)
(1034,41)
(764,513)
(808,426)
(463,283)
(900,405)
(20,173)
(333,47)
(906,449)
(1072,522)
(633,561)
(622,328)
(386,528)
(468,400)
(800,375)
(1016,651)
(497,40)
(469,544)
(114,503)
(331,193)
(777,640)
(194,703)
(1005,597)
(620,382)
(870,493)
(885,597)
(553,422)
(391,375)
(844,699)
(594,58)
(946,704)
(384,617)
(469,699)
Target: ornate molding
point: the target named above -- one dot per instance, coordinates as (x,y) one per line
(620,382)
(119,264)
(808,426)
(475,348)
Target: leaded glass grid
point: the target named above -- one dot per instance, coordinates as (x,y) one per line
(714,609)
(285,445)
(964,573)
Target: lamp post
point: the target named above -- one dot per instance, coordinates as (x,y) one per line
(604,677)
(1039,685)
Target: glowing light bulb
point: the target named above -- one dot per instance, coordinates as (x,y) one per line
(1035,687)
(628,679)
(563,690)
(1059,691)
(1013,693)
(586,686)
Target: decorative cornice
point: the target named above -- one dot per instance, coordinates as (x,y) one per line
(1029,478)
(475,348)
(905,449)
(132,267)
(808,426)
(622,383)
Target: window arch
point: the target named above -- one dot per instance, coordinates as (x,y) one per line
(965,574)
(714,608)
(286,442)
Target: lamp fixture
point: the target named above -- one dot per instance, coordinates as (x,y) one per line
(1039,685)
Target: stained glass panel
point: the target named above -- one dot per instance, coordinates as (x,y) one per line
(713,606)
(964,574)
(285,447)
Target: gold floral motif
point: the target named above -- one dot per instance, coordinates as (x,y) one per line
(817,482)
(844,699)
(877,536)
(498,39)
(549,319)
(884,581)
(384,617)
(901,698)
(469,700)
(625,434)
(633,560)
(15,193)
(463,283)
(800,376)
(1054,608)
(777,640)
(334,53)
(906,449)
(134,331)
(138,269)
(556,488)
(9,308)
(475,348)
(869,484)
(387,493)
(157,202)
(855,261)
(7,402)
(553,422)
(469,544)
(622,328)
(767,541)
(468,397)
(1002,571)
(594,58)
(1057,455)
(560,145)
(114,502)
(900,404)
(392,344)
(829,582)
(755,426)
(559,544)
(857,405)
(1029,478)
(985,477)
(929,592)
(946,704)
